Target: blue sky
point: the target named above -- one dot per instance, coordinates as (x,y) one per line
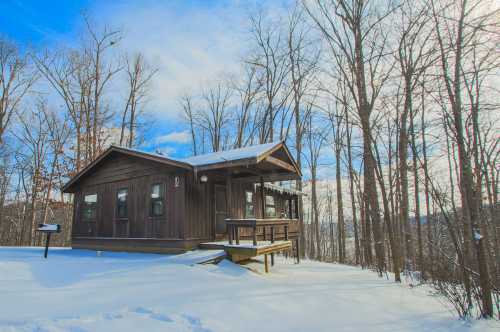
(36,21)
(190,42)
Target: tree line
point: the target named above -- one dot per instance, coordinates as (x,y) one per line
(390,108)
(57,114)
(400,96)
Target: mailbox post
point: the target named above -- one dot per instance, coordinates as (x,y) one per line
(48,229)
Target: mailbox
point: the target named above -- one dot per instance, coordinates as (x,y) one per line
(48,229)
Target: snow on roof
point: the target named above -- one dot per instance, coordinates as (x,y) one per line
(153,154)
(230,155)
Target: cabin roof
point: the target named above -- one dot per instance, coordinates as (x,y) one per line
(253,151)
(246,156)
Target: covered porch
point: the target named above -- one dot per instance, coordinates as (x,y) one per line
(254,215)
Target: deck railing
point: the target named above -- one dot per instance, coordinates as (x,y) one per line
(233,226)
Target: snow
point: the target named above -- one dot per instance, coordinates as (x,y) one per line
(76,290)
(229,155)
(215,157)
(48,227)
(248,244)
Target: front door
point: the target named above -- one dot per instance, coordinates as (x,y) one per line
(220,209)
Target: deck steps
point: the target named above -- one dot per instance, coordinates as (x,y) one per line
(246,250)
(205,256)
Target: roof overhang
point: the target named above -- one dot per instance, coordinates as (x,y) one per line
(263,165)
(252,163)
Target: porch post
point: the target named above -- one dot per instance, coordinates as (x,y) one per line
(229,201)
(263,206)
(262,198)
(272,241)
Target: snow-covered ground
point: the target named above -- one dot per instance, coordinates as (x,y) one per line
(76,290)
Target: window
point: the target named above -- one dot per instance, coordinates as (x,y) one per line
(89,207)
(121,203)
(286,209)
(270,206)
(157,197)
(249,205)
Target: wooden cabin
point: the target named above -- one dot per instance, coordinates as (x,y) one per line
(129,200)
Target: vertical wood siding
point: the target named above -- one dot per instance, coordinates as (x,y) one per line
(137,176)
(189,206)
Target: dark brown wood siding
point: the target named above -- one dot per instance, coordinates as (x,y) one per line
(200,212)
(200,206)
(189,206)
(137,176)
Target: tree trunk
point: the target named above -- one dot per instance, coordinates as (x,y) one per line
(417,198)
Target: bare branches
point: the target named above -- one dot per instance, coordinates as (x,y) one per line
(139,76)
(16,79)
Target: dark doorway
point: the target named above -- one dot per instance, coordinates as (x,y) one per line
(220,209)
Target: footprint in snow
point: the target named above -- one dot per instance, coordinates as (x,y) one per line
(142,310)
(111,316)
(161,317)
(196,324)
(152,314)
(76,329)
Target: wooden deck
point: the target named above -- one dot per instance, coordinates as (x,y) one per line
(246,249)
(243,250)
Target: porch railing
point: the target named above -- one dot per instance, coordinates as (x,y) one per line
(233,226)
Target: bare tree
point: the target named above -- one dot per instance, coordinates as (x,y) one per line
(58,134)
(248,90)
(139,76)
(101,73)
(355,34)
(413,57)
(189,114)
(215,117)
(270,59)
(337,118)
(16,79)
(457,25)
(303,62)
(33,136)
(315,139)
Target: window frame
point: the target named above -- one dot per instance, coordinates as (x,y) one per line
(247,204)
(161,199)
(266,205)
(117,207)
(85,205)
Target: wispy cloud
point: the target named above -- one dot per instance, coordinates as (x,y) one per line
(180,137)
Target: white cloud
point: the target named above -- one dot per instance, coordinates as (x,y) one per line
(188,44)
(180,137)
